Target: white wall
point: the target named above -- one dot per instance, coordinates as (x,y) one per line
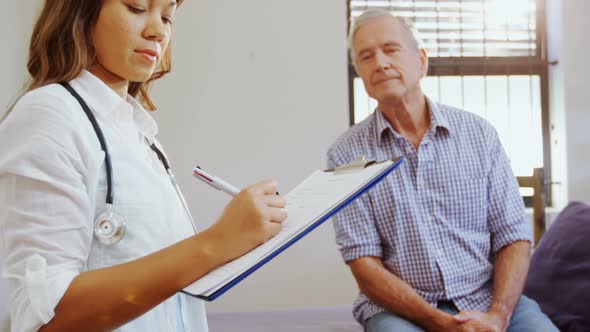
(570,113)
(17,24)
(557,105)
(576,72)
(258,94)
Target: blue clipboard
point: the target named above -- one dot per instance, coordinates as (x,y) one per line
(359,163)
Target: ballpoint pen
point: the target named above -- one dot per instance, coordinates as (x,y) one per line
(215,182)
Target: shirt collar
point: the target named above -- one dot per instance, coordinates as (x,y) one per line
(103,101)
(383,125)
(438,121)
(144,121)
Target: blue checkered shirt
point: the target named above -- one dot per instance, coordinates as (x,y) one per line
(438,220)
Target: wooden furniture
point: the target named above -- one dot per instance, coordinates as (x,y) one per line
(536,181)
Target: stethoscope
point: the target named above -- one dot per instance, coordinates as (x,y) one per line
(110,227)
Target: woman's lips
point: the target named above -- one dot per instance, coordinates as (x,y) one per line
(149,55)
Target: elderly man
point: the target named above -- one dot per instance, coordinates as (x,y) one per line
(442,243)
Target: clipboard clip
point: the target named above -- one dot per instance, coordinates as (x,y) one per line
(355,165)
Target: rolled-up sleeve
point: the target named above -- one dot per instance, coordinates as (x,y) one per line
(506,219)
(354,225)
(45,213)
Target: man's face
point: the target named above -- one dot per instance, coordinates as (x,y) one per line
(387,60)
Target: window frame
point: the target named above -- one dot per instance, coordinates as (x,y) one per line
(536,64)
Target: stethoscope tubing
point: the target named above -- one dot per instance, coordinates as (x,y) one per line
(101,139)
(109,166)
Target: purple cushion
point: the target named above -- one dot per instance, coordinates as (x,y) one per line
(559,277)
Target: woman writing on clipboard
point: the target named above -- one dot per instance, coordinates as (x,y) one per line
(95,235)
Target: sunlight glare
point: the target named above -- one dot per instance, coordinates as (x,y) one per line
(504,12)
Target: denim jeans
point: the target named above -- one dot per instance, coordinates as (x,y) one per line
(527,317)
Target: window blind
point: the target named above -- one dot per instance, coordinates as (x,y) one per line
(466,28)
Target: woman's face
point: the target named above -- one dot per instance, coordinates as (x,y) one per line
(130,36)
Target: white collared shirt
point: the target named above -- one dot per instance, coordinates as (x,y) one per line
(53,186)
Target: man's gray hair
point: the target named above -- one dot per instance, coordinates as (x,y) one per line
(375,13)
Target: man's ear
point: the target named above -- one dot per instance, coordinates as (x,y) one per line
(423,62)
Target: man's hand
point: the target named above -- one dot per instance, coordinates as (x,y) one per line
(483,321)
(446,322)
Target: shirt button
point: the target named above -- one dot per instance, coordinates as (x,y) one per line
(439,253)
(409,150)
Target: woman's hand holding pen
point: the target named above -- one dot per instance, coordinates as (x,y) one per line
(250,219)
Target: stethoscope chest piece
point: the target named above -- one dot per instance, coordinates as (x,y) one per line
(109,227)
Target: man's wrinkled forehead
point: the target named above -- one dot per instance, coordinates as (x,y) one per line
(379,31)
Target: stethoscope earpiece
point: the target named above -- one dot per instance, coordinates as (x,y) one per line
(109,227)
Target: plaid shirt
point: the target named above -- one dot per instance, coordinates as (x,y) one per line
(438,220)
